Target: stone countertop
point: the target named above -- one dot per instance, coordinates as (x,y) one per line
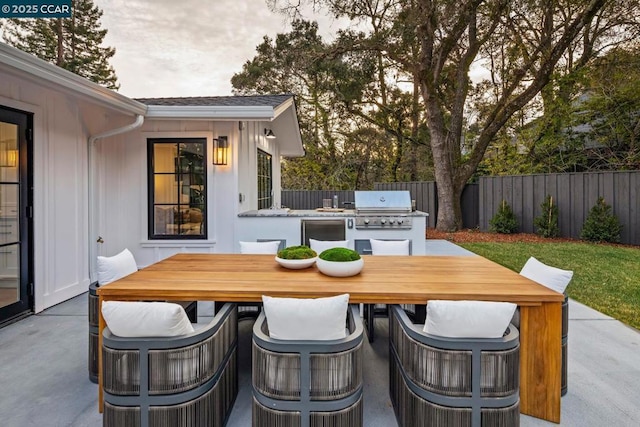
(268,213)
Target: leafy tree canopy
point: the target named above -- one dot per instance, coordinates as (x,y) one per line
(524,45)
(74,44)
(357,129)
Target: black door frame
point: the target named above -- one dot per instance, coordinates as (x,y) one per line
(25,305)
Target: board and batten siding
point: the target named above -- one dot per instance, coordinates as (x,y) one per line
(62,125)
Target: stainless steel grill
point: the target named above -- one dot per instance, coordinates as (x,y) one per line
(382,209)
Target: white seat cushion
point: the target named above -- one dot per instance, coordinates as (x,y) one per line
(389,247)
(116,267)
(322,245)
(259,247)
(468,319)
(306,319)
(146,319)
(551,277)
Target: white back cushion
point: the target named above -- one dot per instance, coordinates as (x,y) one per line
(322,245)
(389,247)
(146,319)
(468,319)
(306,319)
(551,277)
(259,247)
(116,267)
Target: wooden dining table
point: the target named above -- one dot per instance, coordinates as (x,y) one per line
(384,279)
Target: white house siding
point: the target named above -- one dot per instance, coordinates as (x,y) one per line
(122,189)
(253,138)
(62,125)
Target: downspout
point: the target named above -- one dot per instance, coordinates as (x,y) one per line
(91,193)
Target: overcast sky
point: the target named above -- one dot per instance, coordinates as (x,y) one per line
(186,47)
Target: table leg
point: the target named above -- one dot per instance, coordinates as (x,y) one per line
(368,319)
(541,360)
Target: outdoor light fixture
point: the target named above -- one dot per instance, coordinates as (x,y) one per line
(269,134)
(220,150)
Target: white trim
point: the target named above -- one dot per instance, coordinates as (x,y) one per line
(146,134)
(283,107)
(29,66)
(170,243)
(201,112)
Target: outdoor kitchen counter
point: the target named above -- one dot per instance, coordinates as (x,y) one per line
(289,227)
(304,213)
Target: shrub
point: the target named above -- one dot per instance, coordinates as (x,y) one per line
(601,224)
(297,252)
(547,223)
(504,221)
(340,255)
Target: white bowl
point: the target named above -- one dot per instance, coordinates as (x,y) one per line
(340,269)
(296,264)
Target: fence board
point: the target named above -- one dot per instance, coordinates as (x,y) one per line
(634,211)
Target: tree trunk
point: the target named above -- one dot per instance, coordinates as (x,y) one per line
(60,47)
(449,216)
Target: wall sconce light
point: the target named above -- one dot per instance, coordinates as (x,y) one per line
(220,150)
(268,133)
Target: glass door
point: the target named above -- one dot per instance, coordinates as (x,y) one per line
(15,214)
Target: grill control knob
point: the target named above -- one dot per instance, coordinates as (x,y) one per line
(400,221)
(383,221)
(391,221)
(366,221)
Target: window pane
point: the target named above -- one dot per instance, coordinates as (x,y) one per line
(164,157)
(9,275)
(264,169)
(164,219)
(192,155)
(166,189)
(9,152)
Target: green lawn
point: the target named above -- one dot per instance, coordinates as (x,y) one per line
(606,278)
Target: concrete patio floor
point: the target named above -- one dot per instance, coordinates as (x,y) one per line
(44,378)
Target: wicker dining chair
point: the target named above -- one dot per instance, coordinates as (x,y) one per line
(180,381)
(452,382)
(308,383)
(111,269)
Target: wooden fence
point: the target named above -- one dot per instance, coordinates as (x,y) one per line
(574,193)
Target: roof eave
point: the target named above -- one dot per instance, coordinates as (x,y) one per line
(28,65)
(199,112)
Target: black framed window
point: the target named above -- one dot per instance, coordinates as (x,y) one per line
(177,188)
(265,180)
